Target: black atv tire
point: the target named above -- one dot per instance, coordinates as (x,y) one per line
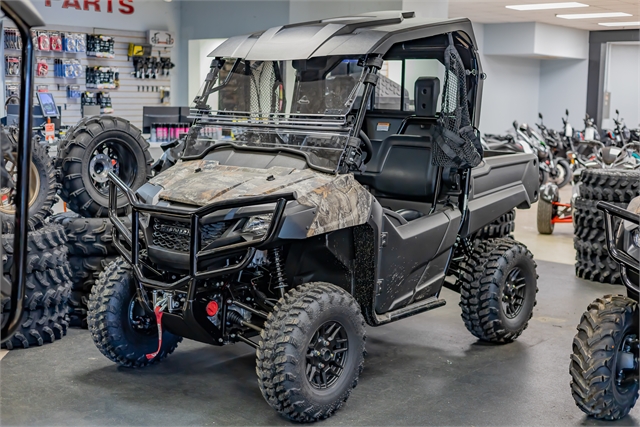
(504,226)
(85,271)
(488,279)
(45,249)
(86,236)
(43,190)
(78,309)
(596,268)
(545,214)
(120,139)
(110,304)
(285,361)
(567,173)
(590,242)
(40,326)
(48,288)
(610,185)
(593,368)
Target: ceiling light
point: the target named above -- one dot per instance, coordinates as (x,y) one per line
(543,6)
(620,24)
(593,15)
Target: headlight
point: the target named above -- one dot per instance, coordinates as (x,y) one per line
(635,237)
(258,225)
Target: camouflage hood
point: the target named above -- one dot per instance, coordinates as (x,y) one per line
(341,201)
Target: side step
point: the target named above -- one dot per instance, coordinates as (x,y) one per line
(410,310)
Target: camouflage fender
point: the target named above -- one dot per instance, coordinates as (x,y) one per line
(340,200)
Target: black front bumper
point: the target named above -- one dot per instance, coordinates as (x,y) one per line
(196,255)
(626,261)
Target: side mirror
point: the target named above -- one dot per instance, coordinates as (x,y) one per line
(566,111)
(515,124)
(617,112)
(540,116)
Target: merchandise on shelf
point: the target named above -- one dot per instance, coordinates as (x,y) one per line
(11,65)
(12,90)
(151,67)
(104,101)
(12,39)
(74,42)
(55,41)
(43,43)
(102,78)
(42,67)
(73,92)
(67,68)
(100,46)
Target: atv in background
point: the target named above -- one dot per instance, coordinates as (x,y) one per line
(301,211)
(605,364)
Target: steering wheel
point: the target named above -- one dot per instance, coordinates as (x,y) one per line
(368,147)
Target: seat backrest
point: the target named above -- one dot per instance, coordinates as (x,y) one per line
(401,166)
(402,169)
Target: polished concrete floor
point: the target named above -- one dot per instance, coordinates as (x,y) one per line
(425,370)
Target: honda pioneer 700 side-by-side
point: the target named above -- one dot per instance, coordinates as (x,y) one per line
(315,195)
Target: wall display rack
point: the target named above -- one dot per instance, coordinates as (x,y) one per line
(81,61)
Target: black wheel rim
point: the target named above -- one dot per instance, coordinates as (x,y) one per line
(139,320)
(513,294)
(111,155)
(327,356)
(627,375)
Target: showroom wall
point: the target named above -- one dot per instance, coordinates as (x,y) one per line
(531,68)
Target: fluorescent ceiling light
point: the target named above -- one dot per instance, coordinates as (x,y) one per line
(543,6)
(620,24)
(593,15)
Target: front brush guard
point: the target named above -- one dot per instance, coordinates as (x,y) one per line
(132,237)
(625,260)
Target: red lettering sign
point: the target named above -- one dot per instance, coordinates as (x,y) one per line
(125,6)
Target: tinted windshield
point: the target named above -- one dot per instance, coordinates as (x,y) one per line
(322,87)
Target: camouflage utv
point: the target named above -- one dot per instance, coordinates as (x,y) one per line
(301,210)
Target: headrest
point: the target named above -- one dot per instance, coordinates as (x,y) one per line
(427,90)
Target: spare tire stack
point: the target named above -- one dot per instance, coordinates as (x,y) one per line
(610,185)
(93,148)
(48,287)
(90,251)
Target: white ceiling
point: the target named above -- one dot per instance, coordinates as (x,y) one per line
(494,11)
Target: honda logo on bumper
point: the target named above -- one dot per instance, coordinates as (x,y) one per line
(180,231)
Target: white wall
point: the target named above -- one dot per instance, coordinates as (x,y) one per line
(524,78)
(199,65)
(510,91)
(563,85)
(623,82)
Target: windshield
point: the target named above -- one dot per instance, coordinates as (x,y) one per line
(325,87)
(301,105)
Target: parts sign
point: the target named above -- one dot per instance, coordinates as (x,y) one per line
(123,6)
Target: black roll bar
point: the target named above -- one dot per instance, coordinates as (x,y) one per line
(24,16)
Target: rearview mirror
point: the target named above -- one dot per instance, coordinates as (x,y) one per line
(566,112)
(540,116)
(617,112)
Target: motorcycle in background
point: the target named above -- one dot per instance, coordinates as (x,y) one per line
(560,171)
